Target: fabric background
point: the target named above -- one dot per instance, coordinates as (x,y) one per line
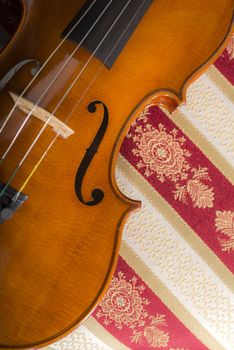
(173,285)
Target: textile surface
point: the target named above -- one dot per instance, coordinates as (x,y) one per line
(173,285)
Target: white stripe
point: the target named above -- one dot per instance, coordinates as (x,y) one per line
(179,267)
(80,339)
(212,113)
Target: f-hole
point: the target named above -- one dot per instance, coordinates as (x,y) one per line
(97,194)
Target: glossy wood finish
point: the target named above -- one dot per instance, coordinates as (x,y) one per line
(57,255)
(10,17)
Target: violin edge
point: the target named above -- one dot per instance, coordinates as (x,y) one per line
(171,101)
(166,98)
(16,36)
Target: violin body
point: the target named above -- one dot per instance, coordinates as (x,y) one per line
(59,250)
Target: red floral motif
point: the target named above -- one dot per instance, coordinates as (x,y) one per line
(123,305)
(162,153)
(224,223)
(154,335)
(201,195)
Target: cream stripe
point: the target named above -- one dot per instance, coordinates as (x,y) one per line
(215,134)
(168,299)
(205,146)
(212,113)
(80,339)
(175,263)
(158,202)
(221,82)
(215,90)
(100,332)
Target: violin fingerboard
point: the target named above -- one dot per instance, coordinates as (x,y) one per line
(115,41)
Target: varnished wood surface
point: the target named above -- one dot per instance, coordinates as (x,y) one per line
(57,255)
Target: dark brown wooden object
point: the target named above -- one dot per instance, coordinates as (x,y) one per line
(57,254)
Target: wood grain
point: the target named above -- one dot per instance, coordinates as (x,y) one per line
(57,255)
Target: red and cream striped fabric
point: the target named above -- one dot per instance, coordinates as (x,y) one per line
(173,285)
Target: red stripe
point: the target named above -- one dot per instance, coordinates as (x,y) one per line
(225,63)
(131,312)
(202,220)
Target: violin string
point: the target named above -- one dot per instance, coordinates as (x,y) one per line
(60,102)
(43,66)
(76,105)
(51,84)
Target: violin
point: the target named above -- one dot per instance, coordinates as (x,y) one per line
(73,78)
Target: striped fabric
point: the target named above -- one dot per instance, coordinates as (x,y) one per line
(173,285)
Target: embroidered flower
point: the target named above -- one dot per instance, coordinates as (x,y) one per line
(124,306)
(161,153)
(201,195)
(156,337)
(123,303)
(224,223)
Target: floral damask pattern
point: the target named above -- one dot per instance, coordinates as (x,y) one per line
(123,303)
(162,153)
(124,306)
(230,48)
(201,195)
(224,223)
